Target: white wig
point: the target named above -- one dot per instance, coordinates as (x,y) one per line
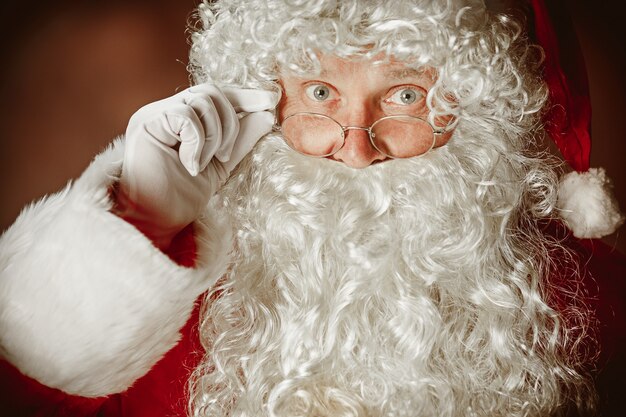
(443,305)
(480,61)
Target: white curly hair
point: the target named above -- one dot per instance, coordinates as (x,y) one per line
(420,287)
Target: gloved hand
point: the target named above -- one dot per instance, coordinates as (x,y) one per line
(180,150)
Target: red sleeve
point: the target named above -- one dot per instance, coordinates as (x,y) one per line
(607,267)
(21,396)
(604,278)
(161,392)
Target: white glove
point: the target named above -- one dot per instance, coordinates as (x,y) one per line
(180,150)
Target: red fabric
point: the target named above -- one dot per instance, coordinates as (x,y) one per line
(608,273)
(604,276)
(568,121)
(183,249)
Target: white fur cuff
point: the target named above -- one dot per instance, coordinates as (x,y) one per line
(87,303)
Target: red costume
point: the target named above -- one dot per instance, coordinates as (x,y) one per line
(162,391)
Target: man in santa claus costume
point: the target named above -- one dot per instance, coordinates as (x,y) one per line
(346,215)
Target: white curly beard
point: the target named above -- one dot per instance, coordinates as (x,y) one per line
(398,290)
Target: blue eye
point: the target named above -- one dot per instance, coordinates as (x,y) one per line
(406,96)
(318,92)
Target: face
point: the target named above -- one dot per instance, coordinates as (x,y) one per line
(358,93)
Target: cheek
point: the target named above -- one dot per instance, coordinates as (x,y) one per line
(289,105)
(443,139)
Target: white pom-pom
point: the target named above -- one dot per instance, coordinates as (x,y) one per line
(587,204)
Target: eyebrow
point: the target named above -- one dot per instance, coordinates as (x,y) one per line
(395,74)
(404,73)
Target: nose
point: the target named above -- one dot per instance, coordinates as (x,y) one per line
(357,151)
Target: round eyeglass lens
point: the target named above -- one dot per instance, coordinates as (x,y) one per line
(312,134)
(403,136)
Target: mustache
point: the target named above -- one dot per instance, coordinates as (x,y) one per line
(310,182)
(318,218)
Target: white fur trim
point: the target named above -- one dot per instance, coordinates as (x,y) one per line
(587,204)
(87,303)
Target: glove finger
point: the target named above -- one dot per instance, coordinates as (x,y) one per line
(251,100)
(194,138)
(229,123)
(252,127)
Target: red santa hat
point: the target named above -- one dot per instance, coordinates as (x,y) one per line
(585,197)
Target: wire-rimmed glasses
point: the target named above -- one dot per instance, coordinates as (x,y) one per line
(397,136)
